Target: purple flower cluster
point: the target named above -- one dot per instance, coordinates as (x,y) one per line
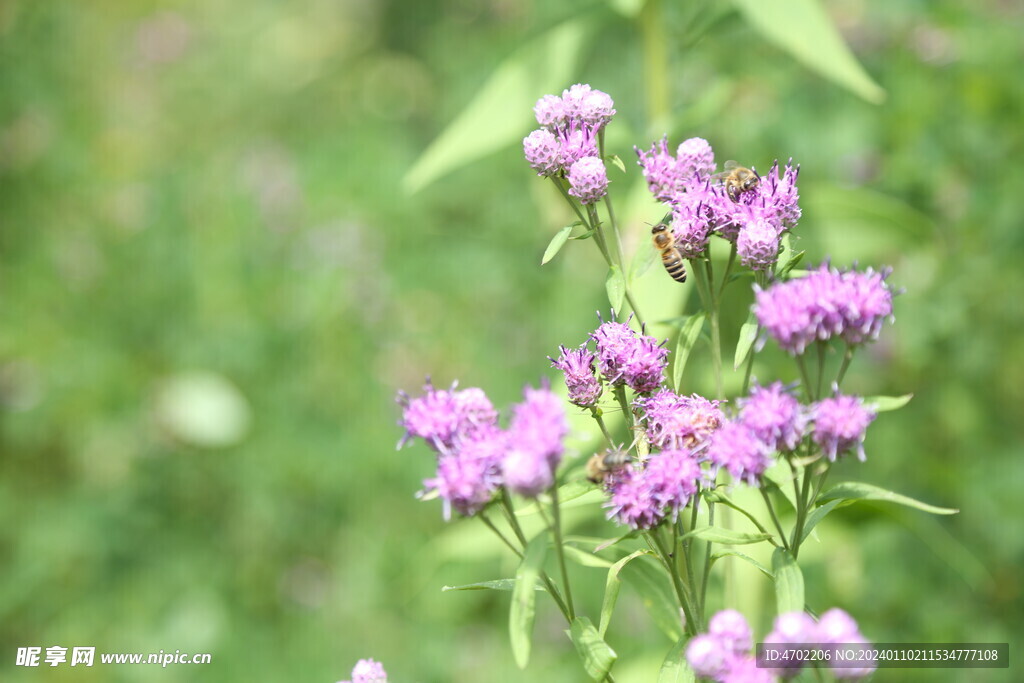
(624,357)
(827,303)
(755,222)
(643,494)
(475,456)
(672,421)
(724,652)
(578,366)
(566,143)
(368,671)
(840,423)
(445,418)
(735,447)
(835,627)
(774,416)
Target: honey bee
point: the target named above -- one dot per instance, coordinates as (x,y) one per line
(601,465)
(737,180)
(665,242)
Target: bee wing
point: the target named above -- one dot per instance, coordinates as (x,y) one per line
(730,165)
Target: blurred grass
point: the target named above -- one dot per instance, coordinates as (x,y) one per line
(214,188)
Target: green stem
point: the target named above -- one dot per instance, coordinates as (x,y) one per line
(775,518)
(627,412)
(595,412)
(760,527)
(805,377)
(847,357)
(707,567)
(801,514)
(821,365)
(750,366)
(556,529)
(716,336)
(572,202)
(684,601)
(728,269)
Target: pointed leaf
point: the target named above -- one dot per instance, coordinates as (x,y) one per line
(651,583)
(789,582)
(584,558)
(496,585)
(615,285)
(596,655)
(586,235)
(726,536)
(688,336)
(804,29)
(781,477)
(882,404)
(614,541)
(748,333)
(675,668)
(792,263)
(522,611)
(735,553)
(855,490)
(499,114)
(818,514)
(616,162)
(611,588)
(556,244)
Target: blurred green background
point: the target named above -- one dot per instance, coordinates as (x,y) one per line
(215,278)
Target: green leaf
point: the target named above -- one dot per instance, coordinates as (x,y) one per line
(556,244)
(615,541)
(802,28)
(499,114)
(882,404)
(735,553)
(615,285)
(496,585)
(584,558)
(781,478)
(855,490)
(789,582)
(611,588)
(818,514)
(576,493)
(688,336)
(586,235)
(748,333)
(716,534)
(675,668)
(616,162)
(651,583)
(792,263)
(596,655)
(522,611)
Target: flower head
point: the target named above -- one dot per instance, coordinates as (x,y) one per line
(736,447)
(732,630)
(632,501)
(644,370)
(826,303)
(708,656)
(840,423)
(745,670)
(464,481)
(615,342)
(576,141)
(780,196)
(588,180)
(442,418)
(550,111)
(593,107)
(538,425)
(673,477)
(758,243)
(369,671)
(695,159)
(578,366)
(543,152)
(774,415)
(664,179)
(674,421)
(527,472)
(693,221)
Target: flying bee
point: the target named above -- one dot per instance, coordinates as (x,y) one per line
(602,465)
(665,242)
(737,180)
